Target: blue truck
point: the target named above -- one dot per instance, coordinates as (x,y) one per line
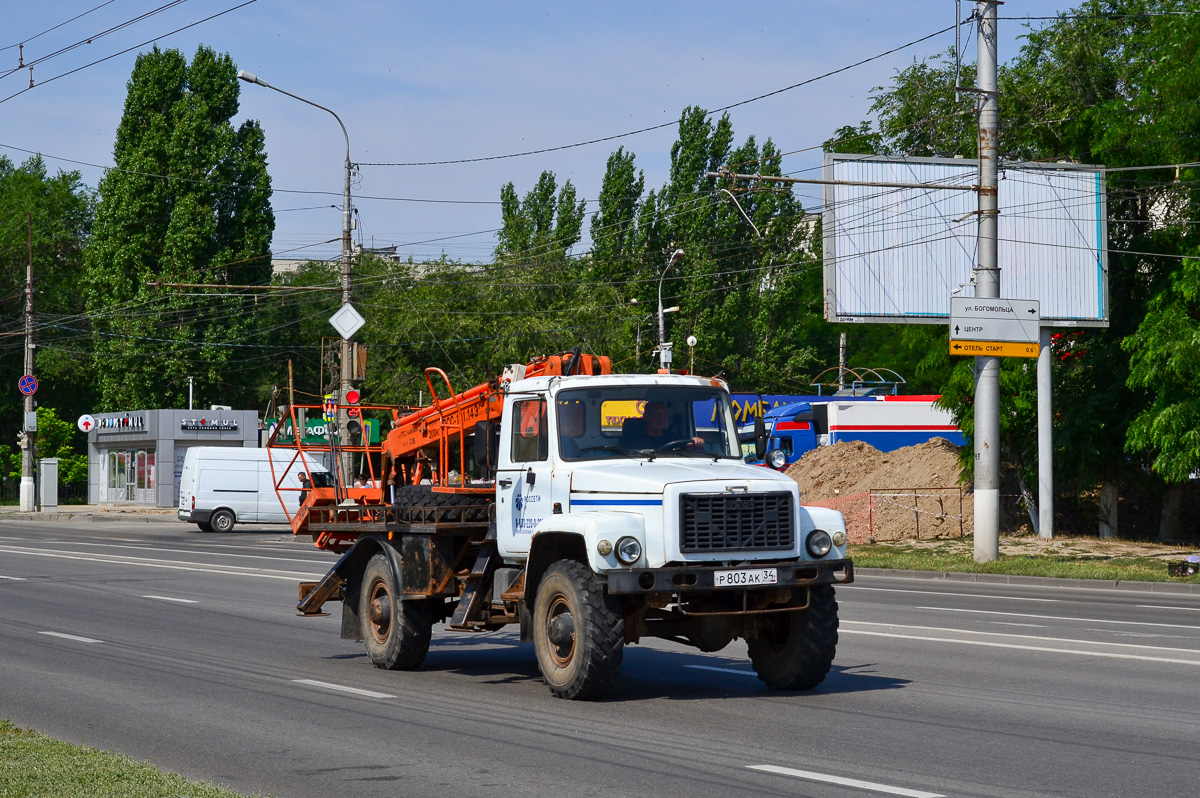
(885,422)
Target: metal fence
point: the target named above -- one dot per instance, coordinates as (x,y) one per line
(68,492)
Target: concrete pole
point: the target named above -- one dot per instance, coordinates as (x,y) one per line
(1045,438)
(987,286)
(28,486)
(842,362)
(347,459)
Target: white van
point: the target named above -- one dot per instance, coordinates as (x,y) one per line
(223,485)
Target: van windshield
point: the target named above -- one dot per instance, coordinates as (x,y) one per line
(631,421)
(322,479)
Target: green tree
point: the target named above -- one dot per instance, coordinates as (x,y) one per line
(57,210)
(188,202)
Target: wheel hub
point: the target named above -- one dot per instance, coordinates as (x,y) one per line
(560,631)
(380,612)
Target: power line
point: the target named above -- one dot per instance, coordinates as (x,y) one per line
(128,49)
(669,124)
(56,27)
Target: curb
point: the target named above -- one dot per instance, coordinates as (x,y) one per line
(1039,581)
(146,518)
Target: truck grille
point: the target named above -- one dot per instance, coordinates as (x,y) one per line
(741,522)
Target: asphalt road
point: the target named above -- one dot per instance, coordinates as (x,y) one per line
(184,649)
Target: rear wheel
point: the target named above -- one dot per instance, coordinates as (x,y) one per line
(396,633)
(221,521)
(578,632)
(794,650)
(205,527)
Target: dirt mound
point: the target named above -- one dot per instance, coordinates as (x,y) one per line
(911,492)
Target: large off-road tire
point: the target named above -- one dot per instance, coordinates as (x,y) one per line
(221,521)
(794,650)
(396,633)
(578,632)
(448,504)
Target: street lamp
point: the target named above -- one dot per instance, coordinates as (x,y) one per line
(664,348)
(347,459)
(641,321)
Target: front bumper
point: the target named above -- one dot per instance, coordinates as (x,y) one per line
(699,578)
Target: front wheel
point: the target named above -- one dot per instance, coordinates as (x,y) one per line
(578,632)
(396,633)
(794,650)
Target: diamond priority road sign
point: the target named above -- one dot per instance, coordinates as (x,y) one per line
(974,320)
(347,321)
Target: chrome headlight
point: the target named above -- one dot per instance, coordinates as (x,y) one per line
(839,538)
(818,543)
(776,458)
(628,550)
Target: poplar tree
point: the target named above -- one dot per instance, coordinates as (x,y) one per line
(188,202)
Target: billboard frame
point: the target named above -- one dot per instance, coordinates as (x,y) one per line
(878,315)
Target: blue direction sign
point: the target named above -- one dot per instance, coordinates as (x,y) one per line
(28,385)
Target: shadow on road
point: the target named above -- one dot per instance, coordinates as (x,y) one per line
(646,672)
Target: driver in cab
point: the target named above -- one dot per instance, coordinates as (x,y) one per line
(655,430)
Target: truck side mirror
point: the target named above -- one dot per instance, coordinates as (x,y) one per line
(760,438)
(487,443)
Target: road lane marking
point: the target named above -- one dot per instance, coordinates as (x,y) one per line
(171,598)
(722,670)
(342,688)
(1011,623)
(228,570)
(1156,607)
(308,561)
(1032,637)
(844,782)
(1056,617)
(76,638)
(14,578)
(940,593)
(1046,649)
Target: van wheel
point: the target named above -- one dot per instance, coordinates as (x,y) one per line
(221,521)
(396,633)
(205,527)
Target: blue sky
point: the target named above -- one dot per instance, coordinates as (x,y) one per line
(431,82)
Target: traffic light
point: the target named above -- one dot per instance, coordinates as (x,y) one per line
(352,396)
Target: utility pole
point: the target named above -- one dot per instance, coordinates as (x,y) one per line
(987,286)
(842,362)
(28,487)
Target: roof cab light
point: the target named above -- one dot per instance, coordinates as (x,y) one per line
(818,543)
(629,550)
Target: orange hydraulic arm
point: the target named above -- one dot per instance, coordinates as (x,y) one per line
(410,443)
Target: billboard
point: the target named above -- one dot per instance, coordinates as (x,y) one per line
(897,254)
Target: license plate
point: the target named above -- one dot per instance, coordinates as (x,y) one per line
(745,577)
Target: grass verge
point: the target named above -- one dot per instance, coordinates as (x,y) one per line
(957,557)
(33,765)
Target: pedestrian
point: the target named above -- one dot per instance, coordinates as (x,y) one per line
(304,486)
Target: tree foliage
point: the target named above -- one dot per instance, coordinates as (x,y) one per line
(188,202)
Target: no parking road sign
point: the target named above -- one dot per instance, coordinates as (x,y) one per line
(28,385)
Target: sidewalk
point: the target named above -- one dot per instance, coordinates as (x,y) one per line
(92,512)
(1182,588)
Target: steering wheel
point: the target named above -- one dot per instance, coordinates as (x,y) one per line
(678,444)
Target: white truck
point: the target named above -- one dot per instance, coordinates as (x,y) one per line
(601,509)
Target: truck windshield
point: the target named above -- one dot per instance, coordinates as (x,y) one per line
(633,421)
